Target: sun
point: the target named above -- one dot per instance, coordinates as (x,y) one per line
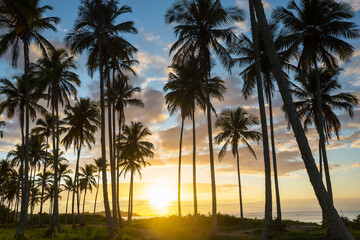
(160,197)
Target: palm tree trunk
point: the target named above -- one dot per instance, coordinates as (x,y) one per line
(43,185)
(118,170)
(276,180)
(75,187)
(112,160)
(321,131)
(268,196)
(194,169)
(97,190)
(82,219)
(239,182)
(179,168)
(25,196)
(67,203)
(7,213)
(131,197)
(335,223)
(213,231)
(110,226)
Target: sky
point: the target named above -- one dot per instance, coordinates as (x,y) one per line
(156,191)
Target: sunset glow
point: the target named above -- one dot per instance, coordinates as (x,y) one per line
(160,197)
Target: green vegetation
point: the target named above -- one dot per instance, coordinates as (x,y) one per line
(229,228)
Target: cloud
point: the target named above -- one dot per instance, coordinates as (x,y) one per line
(147,61)
(355,4)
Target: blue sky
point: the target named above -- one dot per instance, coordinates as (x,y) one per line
(153,42)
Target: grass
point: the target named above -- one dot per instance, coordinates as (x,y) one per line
(171,228)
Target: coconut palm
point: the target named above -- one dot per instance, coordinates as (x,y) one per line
(23,22)
(93,29)
(98,166)
(202,26)
(236,127)
(245,57)
(335,223)
(87,181)
(134,150)
(68,186)
(319,28)
(123,95)
(83,121)
(35,198)
(306,92)
(55,73)
(6,171)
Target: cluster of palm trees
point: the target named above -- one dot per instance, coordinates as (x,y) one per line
(48,87)
(313,33)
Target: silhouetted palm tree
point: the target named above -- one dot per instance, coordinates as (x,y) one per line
(134,150)
(83,120)
(202,26)
(87,181)
(98,166)
(335,223)
(68,186)
(23,22)
(2,123)
(95,26)
(319,28)
(236,128)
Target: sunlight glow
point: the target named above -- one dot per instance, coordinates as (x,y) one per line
(160,197)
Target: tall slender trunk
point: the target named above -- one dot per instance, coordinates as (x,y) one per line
(321,131)
(97,190)
(117,168)
(112,160)
(1,208)
(82,219)
(7,213)
(335,223)
(67,203)
(43,185)
(266,233)
(131,197)
(25,196)
(276,180)
(75,187)
(239,183)
(179,167)
(194,169)
(110,226)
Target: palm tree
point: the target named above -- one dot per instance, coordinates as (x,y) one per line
(23,22)
(57,79)
(94,27)
(319,27)
(68,186)
(2,123)
(87,181)
(35,198)
(236,128)
(201,28)
(6,171)
(98,168)
(83,121)
(335,223)
(134,150)
(244,50)
(15,103)
(123,96)
(306,92)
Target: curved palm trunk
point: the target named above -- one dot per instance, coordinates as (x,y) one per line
(266,233)
(110,226)
(75,187)
(112,160)
(321,132)
(335,223)
(83,213)
(179,167)
(43,186)
(97,190)
(194,169)
(239,182)
(25,196)
(276,180)
(67,201)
